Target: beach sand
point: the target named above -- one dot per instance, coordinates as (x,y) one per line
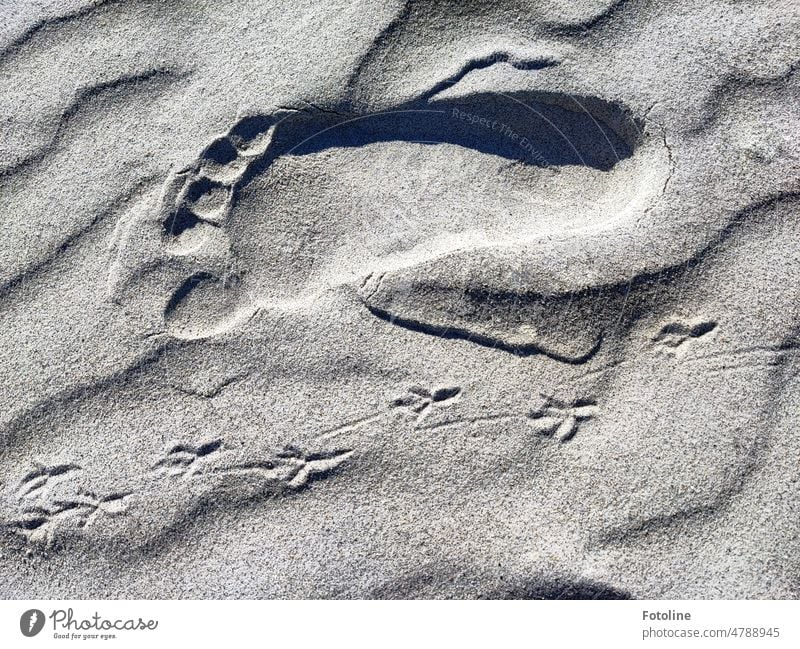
(328,299)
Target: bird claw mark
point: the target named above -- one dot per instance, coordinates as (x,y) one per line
(561,419)
(290,468)
(42,517)
(419,401)
(41,478)
(315,466)
(181,459)
(676,333)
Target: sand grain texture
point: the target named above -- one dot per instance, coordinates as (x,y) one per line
(399,299)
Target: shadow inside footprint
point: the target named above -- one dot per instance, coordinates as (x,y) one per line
(531,128)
